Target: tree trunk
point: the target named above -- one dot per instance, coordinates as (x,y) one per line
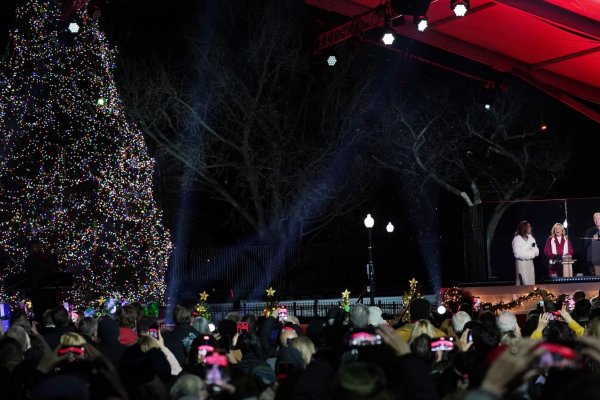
(499,211)
(474,249)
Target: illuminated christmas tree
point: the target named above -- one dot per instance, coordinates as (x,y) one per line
(74,173)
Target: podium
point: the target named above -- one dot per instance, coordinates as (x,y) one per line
(567,263)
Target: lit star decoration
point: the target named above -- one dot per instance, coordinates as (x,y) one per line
(272,303)
(201,308)
(74,173)
(408,297)
(345,301)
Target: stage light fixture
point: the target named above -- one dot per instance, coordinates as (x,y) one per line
(73,27)
(331,60)
(388,38)
(421,22)
(441,309)
(460,7)
(487,106)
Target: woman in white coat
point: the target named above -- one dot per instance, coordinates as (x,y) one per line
(525,250)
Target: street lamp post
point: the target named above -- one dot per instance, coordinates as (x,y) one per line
(369,223)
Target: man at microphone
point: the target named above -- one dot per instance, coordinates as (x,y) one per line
(592,236)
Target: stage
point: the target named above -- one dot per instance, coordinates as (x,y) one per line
(495,292)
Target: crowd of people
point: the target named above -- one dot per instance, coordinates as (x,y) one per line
(359,354)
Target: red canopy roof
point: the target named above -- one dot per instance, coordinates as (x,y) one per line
(552,44)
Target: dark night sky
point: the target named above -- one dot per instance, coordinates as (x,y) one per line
(143,28)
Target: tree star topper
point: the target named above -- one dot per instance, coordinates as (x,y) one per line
(270,292)
(203,296)
(345,294)
(413,282)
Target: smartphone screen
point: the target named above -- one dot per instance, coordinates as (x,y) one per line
(242,327)
(72,353)
(571,304)
(283,315)
(560,356)
(363,338)
(80,351)
(153,332)
(204,350)
(216,369)
(476,303)
(443,343)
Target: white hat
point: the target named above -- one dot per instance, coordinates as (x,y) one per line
(375,318)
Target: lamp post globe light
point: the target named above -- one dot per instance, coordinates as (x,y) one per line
(369,223)
(389,227)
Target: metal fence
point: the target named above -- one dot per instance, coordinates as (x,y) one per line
(300,309)
(306,272)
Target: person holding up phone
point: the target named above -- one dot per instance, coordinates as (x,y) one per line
(525,249)
(545,319)
(149,327)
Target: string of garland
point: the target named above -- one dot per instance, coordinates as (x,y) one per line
(518,302)
(455,296)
